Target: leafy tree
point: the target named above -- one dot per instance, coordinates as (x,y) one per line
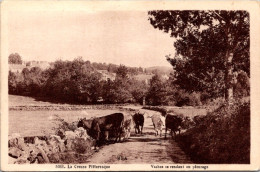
(12,83)
(122,85)
(138,90)
(122,72)
(14,59)
(210,45)
(73,81)
(241,88)
(157,91)
(109,92)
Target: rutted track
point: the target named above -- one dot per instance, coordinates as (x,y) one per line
(141,149)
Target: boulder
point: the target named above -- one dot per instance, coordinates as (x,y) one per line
(56,144)
(16,141)
(33,151)
(70,135)
(42,156)
(54,158)
(69,143)
(81,145)
(81,133)
(37,141)
(14,152)
(61,133)
(23,159)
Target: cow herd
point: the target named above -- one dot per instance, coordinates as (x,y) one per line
(117,126)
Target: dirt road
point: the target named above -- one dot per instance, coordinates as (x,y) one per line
(141,149)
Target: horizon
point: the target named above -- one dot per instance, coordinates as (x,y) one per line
(89,61)
(117,37)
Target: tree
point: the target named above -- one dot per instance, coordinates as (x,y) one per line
(14,59)
(122,85)
(157,92)
(138,90)
(122,72)
(208,44)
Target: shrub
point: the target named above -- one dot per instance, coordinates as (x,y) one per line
(214,139)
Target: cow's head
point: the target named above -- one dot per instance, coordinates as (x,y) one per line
(85,123)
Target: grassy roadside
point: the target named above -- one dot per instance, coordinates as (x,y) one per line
(222,136)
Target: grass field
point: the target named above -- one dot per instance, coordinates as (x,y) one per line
(36,123)
(32,123)
(15,100)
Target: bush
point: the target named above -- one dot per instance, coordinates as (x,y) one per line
(214,139)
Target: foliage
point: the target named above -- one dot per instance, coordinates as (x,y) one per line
(214,138)
(209,46)
(77,81)
(157,91)
(15,59)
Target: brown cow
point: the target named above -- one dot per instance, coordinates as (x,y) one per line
(157,123)
(102,126)
(138,119)
(174,123)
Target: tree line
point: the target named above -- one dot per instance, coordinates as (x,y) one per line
(79,82)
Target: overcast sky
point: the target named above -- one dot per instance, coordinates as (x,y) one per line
(119,37)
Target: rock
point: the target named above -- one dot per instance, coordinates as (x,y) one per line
(18,142)
(23,158)
(69,143)
(81,133)
(33,151)
(14,152)
(54,158)
(12,142)
(56,143)
(21,161)
(81,145)
(45,158)
(61,133)
(70,135)
(37,141)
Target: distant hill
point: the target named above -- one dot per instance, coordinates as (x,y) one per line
(160,69)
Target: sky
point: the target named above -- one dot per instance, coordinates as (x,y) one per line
(118,37)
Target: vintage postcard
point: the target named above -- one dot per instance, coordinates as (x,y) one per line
(130,85)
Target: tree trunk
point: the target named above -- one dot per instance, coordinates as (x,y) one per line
(228,78)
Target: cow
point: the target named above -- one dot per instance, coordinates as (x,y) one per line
(101,126)
(157,123)
(174,123)
(127,127)
(138,119)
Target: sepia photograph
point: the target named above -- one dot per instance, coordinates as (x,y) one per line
(137,86)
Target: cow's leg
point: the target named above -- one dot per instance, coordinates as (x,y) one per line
(129,133)
(106,136)
(120,131)
(165,132)
(97,144)
(172,133)
(160,132)
(142,129)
